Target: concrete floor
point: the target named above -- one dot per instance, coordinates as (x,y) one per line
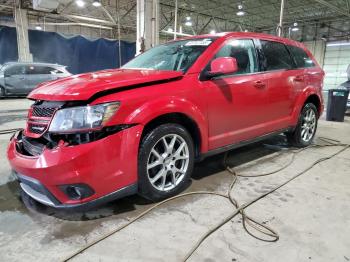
(311,214)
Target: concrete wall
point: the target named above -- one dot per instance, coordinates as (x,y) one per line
(336,62)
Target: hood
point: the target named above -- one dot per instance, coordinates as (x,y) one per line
(84,86)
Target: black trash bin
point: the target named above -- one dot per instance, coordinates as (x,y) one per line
(336,107)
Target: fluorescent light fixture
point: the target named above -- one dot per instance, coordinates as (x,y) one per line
(240,13)
(339,44)
(188,18)
(294,29)
(80,3)
(96,3)
(212,32)
(38,27)
(188,23)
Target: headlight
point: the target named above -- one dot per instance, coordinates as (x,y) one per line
(83,117)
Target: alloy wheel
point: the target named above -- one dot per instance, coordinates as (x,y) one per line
(308,125)
(168,162)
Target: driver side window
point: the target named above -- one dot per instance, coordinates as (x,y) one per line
(243,51)
(15,70)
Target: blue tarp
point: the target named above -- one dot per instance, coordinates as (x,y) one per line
(77,53)
(8,45)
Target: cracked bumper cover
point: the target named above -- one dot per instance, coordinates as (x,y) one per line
(108,166)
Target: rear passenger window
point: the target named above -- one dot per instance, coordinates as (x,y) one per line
(276,55)
(301,58)
(38,70)
(244,52)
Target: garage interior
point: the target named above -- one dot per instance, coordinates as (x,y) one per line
(308,216)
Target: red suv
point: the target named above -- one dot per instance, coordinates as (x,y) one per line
(99,136)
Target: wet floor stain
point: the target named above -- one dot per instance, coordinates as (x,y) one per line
(283,199)
(209,175)
(288,195)
(10,197)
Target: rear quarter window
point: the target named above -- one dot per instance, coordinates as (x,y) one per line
(301,58)
(276,55)
(39,70)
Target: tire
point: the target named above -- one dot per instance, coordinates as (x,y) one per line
(2,92)
(305,130)
(163,172)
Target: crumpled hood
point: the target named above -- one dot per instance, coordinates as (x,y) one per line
(84,86)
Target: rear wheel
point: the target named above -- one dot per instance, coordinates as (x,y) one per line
(166,160)
(305,130)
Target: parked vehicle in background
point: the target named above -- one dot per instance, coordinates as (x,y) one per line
(19,79)
(95,137)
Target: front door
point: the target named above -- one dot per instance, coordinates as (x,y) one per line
(15,80)
(236,102)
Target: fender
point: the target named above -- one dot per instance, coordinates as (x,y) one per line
(165,105)
(305,94)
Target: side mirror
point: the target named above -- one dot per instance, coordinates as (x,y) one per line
(223,66)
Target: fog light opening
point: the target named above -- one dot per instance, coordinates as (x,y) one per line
(78,191)
(74,192)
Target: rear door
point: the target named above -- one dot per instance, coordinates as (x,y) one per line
(37,74)
(283,83)
(14,78)
(313,74)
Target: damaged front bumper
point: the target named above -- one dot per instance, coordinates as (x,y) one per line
(106,169)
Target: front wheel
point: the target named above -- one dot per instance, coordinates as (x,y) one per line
(2,92)
(305,130)
(166,159)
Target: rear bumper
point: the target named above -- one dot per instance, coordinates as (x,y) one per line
(108,166)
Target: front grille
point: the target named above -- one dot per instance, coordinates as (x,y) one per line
(43,111)
(36,129)
(39,116)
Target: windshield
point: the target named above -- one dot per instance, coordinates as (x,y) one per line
(175,56)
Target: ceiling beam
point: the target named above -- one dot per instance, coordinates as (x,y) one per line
(6,6)
(333,7)
(128,11)
(110,16)
(204,14)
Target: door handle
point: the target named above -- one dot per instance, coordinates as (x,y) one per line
(259,84)
(299,78)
